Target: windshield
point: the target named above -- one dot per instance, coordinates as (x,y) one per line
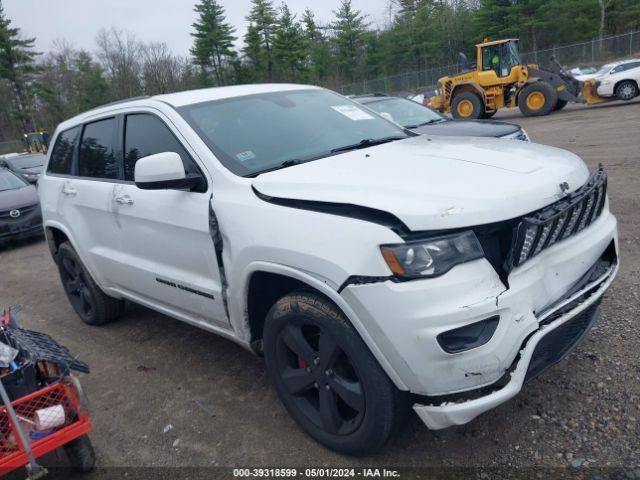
(9,181)
(405,112)
(512,57)
(255,133)
(26,161)
(605,68)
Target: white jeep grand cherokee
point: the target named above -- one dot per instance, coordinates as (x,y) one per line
(374,268)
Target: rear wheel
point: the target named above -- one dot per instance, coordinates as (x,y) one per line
(627,90)
(91,304)
(327,378)
(537,99)
(467,105)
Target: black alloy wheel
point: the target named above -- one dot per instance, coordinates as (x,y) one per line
(75,284)
(93,306)
(327,378)
(320,377)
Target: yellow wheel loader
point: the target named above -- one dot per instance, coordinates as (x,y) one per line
(500,80)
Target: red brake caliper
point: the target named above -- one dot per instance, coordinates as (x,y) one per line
(301,363)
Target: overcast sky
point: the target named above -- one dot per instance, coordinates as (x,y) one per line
(168,21)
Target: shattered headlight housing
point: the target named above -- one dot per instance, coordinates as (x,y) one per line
(519,135)
(431,257)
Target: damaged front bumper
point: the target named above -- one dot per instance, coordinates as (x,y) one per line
(561,328)
(405,319)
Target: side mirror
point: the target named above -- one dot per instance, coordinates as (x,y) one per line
(163,171)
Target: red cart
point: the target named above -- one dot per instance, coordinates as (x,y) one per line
(43,420)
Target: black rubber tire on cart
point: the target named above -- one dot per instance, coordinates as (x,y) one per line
(327,378)
(467,106)
(81,454)
(92,305)
(537,99)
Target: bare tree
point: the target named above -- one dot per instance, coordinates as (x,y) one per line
(162,72)
(119,52)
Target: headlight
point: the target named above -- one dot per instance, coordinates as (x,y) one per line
(519,135)
(433,256)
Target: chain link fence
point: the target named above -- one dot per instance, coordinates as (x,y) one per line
(595,52)
(11,146)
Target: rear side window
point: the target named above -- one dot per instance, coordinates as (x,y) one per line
(147,135)
(96,158)
(62,153)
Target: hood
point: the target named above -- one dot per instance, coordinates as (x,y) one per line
(468,128)
(433,183)
(18,198)
(33,170)
(585,76)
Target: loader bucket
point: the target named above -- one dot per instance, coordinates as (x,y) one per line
(437,103)
(590,92)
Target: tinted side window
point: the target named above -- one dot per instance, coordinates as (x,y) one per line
(62,153)
(97,158)
(147,135)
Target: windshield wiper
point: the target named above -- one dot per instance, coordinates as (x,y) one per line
(285,164)
(367,142)
(428,122)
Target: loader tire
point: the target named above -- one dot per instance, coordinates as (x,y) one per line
(560,104)
(467,106)
(537,99)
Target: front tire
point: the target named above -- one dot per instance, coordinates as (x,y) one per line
(537,99)
(92,305)
(327,378)
(627,90)
(467,106)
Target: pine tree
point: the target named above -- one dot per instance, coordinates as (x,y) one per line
(213,44)
(17,68)
(253,55)
(90,84)
(317,49)
(349,27)
(263,18)
(289,46)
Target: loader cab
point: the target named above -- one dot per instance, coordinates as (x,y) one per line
(498,57)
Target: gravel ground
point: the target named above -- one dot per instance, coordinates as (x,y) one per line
(151,375)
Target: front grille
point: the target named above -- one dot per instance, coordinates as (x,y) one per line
(560,220)
(24,212)
(559,342)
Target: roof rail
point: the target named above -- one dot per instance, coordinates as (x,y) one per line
(116,102)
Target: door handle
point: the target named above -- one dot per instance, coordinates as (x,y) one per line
(69,191)
(124,200)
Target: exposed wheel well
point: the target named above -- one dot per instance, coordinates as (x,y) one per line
(55,238)
(265,289)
